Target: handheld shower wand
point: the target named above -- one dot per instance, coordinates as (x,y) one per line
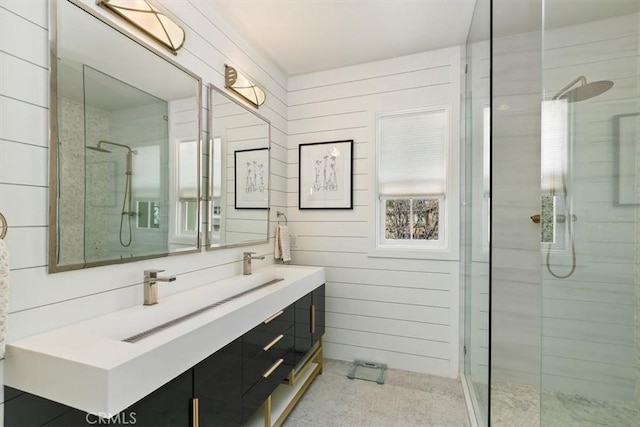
(127,209)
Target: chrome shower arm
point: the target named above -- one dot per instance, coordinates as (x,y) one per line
(562,91)
(116,144)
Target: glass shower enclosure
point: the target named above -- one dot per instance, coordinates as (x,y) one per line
(552,290)
(114,140)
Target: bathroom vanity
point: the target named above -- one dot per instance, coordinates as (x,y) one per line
(246,356)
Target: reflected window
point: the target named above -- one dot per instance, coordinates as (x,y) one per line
(554,167)
(187,187)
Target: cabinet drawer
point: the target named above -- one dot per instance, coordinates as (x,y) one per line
(256,341)
(257,394)
(253,370)
(278,321)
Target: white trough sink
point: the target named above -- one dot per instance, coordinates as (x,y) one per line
(89,366)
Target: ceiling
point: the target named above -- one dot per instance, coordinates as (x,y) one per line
(303,36)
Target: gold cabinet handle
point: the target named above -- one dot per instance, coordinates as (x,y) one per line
(272,343)
(273,368)
(313,318)
(273,317)
(195,412)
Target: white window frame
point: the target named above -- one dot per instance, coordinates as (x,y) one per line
(446,247)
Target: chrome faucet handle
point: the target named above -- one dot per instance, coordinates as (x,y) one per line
(152,273)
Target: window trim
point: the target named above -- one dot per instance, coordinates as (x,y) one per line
(448,249)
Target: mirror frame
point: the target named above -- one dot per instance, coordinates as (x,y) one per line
(208,202)
(52,252)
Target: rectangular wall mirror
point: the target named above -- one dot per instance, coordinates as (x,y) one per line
(125,146)
(239,173)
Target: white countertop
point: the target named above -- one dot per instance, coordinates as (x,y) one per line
(87,365)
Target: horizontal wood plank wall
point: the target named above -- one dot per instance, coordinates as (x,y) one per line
(403,312)
(589,341)
(39,301)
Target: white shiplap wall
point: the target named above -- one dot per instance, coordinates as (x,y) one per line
(399,311)
(39,301)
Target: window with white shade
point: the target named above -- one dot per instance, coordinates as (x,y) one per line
(187,187)
(412,159)
(555,163)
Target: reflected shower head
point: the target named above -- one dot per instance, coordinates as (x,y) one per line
(100,143)
(98,149)
(584,91)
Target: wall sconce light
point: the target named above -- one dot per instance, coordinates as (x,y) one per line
(238,83)
(149,20)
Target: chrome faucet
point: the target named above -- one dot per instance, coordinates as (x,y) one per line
(150,288)
(246,262)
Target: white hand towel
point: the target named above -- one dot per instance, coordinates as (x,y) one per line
(283,247)
(4,295)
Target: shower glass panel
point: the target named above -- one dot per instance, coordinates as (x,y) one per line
(476,212)
(590,219)
(126,173)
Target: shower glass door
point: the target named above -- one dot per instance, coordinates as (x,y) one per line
(476,213)
(590,217)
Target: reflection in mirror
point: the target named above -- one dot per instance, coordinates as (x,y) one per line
(238,194)
(125,137)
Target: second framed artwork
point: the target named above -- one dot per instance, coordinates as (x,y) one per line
(252,178)
(325,171)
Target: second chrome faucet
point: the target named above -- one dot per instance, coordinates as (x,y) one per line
(150,285)
(246,262)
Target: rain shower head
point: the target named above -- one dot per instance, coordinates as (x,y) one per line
(584,91)
(98,149)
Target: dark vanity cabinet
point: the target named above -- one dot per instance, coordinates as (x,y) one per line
(309,321)
(224,390)
(168,406)
(217,385)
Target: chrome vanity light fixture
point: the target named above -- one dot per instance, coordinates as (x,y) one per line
(149,20)
(244,87)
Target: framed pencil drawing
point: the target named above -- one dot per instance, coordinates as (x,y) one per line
(325,175)
(251,178)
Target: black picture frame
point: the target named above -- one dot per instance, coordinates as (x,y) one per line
(251,178)
(325,175)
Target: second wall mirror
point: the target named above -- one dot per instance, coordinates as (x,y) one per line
(239,174)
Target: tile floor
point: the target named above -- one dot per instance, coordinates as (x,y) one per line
(407,399)
(520,405)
